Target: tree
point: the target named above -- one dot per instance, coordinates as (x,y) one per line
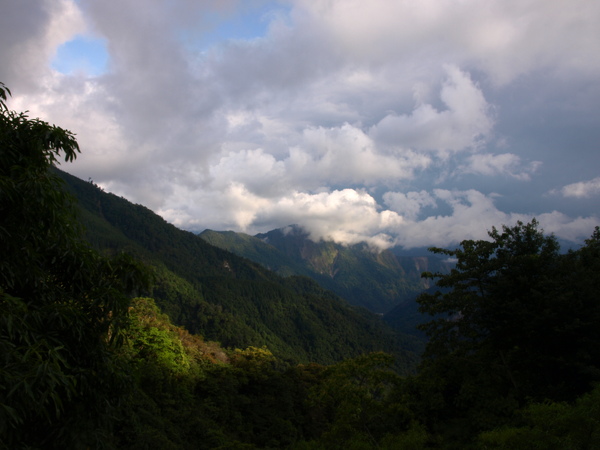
(515,320)
(61,304)
(551,425)
(354,400)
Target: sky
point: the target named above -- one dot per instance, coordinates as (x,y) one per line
(393,122)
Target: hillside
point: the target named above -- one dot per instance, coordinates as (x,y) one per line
(378,281)
(230,299)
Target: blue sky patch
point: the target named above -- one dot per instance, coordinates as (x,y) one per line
(82,54)
(245,24)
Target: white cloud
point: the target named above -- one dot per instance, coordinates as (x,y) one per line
(507,164)
(464,125)
(565,227)
(350,216)
(473,214)
(347,155)
(347,216)
(319,157)
(408,205)
(506,38)
(257,171)
(582,189)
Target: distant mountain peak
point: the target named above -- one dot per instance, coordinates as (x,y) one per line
(376,280)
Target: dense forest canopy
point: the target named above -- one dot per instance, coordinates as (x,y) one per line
(516,305)
(88,360)
(516,322)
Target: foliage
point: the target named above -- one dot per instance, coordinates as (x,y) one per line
(551,425)
(517,322)
(62,306)
(153,342)
(250,400)
(457,400)
(353,396)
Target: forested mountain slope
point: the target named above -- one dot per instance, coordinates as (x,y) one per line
(376,280)
(230,299)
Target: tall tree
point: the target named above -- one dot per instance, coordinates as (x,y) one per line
(514,320)
(61,303)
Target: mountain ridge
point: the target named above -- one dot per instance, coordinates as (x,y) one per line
(230,299)
(376,280)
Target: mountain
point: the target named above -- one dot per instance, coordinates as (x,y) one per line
(230,299)
(376,280)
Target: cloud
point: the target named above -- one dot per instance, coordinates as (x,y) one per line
(473,214)
(347,155)
(507,164)
(359,120)
(319,157)
(257,171)
(409,205)
(350,216)
(566,227)
(504,38)
(582,189)
(31,33)
(347,216)
(464,124)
